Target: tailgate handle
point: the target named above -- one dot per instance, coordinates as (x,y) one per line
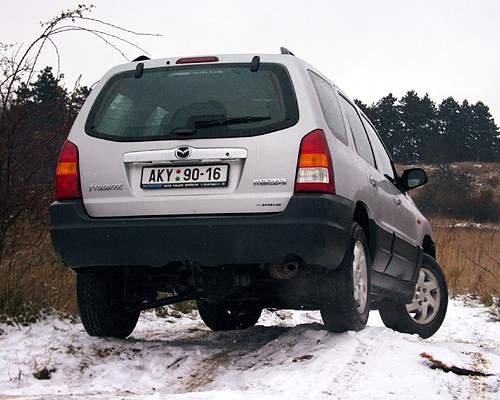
(196,154)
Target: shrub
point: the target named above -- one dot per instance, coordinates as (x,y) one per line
(451,193)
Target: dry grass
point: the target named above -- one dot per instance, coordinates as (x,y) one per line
(33,281)
(470,257)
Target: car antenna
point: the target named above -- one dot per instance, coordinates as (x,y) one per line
(284,50)
(254,65)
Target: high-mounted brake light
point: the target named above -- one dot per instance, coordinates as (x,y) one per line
(315,169)
(193,60)
(67,173)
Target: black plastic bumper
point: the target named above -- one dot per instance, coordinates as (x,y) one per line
(314,227)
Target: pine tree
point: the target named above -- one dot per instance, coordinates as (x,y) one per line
(387,120)
(484,140)
(451,131)
(418,120)
(50,99)
(44,122)
(367,110)
(466,132)
(428,132)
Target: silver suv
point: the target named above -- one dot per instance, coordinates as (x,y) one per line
(242,182)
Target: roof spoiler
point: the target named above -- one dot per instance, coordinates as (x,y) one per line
(284,50)
(141,58)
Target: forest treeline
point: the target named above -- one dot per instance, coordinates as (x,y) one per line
(416,130)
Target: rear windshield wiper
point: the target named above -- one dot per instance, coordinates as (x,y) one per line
(230,121)
(217,122)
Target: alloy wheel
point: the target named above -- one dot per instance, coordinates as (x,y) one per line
(427,298)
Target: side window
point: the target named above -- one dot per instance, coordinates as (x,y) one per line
(358,132)
(330,106)
(383,161)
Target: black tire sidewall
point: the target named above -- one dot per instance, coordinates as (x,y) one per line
(357,235)
(396,316)
(339,308)
(102,310)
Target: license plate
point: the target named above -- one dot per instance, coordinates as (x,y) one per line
(184,177)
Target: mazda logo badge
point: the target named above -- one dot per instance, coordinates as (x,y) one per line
(183,152)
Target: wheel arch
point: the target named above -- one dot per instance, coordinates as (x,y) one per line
(428,246)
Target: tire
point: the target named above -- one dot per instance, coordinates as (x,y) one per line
(227,317)
(102,308)
(412,318)
(344,304)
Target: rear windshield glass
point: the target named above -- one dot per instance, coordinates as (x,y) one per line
(224,100)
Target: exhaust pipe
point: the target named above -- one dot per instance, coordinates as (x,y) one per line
(287,270)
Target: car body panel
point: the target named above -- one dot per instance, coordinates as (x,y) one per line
(271,156)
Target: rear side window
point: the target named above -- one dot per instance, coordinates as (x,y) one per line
(358,132)
(384,164)
(330,106)
(223,100)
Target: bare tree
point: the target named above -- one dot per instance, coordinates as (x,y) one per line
(18,65)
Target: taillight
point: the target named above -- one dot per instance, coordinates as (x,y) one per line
(314,169)
(67,173)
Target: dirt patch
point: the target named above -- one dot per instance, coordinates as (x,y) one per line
(437,364)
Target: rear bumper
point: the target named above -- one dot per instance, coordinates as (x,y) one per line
(314,227)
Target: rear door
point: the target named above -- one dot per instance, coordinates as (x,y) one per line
(404,253)
(191,139)
(406,250)
(380,200)
(381,179)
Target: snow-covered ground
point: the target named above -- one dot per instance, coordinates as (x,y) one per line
(287,356)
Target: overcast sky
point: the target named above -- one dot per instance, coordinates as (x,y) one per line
(369,48)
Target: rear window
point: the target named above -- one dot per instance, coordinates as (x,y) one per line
(223,100)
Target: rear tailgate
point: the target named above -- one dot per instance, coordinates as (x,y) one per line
(205,139)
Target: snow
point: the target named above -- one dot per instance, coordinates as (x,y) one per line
(470,225)
(288,355)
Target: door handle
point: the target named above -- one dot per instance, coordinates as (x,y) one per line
(373,181)
(397,200)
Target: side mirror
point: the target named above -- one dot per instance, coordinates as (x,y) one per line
(412,178)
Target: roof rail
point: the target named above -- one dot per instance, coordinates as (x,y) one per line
(141,58)
(284,50)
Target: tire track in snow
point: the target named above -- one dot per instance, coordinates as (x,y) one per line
(480,387)
(260,349)
(336,371)
(366,356)
(205,373)
(234,345)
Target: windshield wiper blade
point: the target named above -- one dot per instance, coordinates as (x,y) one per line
(184,131)
(217,122)
(230,121)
